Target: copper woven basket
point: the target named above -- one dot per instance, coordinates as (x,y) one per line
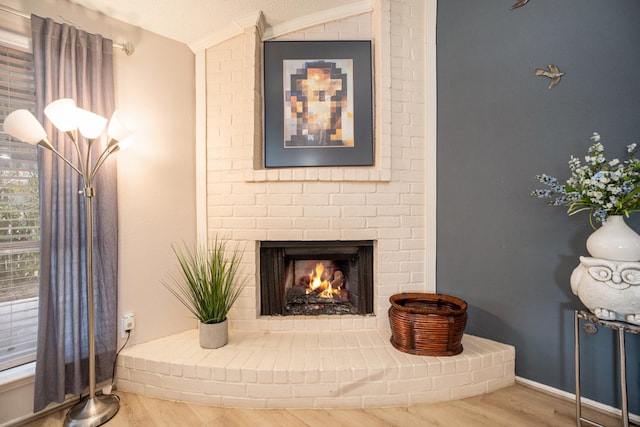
(427,324)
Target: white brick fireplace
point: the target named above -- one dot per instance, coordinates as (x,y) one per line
(325,360)
(385,203)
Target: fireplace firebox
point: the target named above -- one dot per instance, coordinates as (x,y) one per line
(316,277)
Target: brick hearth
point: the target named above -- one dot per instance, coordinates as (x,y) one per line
(355,369)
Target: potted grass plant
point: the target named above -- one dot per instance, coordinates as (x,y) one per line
(207,284)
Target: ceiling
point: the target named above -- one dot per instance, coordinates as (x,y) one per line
(190,21)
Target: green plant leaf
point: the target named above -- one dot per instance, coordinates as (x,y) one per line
(207,281)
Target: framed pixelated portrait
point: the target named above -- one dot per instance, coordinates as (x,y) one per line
(318,104)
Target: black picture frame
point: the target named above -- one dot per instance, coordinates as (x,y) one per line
(326,136)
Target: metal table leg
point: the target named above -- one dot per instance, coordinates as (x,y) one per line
(622,328)
(576,355)
(623,377)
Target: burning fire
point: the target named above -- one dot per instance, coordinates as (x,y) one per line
(325,285)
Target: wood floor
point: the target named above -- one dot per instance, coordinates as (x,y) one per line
(514,406)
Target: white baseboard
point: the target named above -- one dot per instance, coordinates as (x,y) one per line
(571,396)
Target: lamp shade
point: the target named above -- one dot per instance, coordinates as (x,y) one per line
(124,144)
(90,125)
(23,125)
(119,128)
(63,114)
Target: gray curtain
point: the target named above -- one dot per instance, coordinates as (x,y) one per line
(70,63)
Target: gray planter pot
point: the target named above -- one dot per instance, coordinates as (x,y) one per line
(214,335)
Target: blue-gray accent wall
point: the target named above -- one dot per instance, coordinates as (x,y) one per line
(506,253)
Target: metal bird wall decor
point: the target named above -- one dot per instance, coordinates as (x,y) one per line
(554,74)
(519,4)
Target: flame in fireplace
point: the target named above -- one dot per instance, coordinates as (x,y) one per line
(321,283)
(315,277)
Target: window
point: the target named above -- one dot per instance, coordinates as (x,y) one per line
(19,217)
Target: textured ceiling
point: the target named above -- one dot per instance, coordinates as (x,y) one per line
(190,21)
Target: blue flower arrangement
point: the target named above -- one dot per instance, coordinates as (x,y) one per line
(602,187)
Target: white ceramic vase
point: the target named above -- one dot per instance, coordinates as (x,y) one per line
(608,282)
(609,289)
(615,241)
(214,335)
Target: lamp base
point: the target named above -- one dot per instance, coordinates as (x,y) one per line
(92,412)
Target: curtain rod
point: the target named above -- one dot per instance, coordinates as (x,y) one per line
(127,47)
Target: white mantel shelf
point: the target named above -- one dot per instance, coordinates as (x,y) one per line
(353,369)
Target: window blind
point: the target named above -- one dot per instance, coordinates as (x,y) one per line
(19,217)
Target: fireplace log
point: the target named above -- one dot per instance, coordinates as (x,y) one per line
(338,280)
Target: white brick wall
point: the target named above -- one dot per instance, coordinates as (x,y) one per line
(385,203)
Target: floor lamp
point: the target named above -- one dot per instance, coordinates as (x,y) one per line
(74,121)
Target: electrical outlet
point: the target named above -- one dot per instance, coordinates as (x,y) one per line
(128,323)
